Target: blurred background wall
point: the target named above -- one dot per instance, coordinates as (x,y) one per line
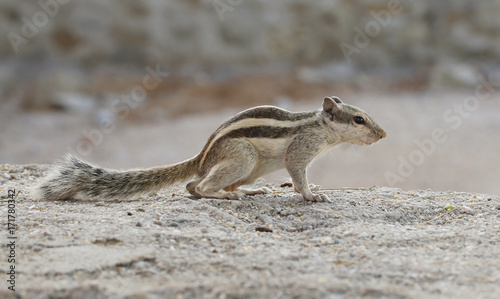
(93,76)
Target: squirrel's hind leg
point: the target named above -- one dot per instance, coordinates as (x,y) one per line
(234,167)
(191,188)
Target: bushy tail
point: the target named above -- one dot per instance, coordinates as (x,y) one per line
(74,177)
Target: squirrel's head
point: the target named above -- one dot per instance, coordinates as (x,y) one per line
(350,123)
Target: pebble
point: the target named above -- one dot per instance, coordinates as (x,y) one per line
(466,210)
(236,204)
(138,224)
(49,235)
(393,216)
(347,233)
(288,212)
(312,224)
(263,229)
(37,248)
(142,265)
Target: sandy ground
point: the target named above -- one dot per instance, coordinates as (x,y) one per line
(373,243)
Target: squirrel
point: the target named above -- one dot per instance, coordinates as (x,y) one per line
(253,143)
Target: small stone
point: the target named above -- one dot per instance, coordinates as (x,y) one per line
(347,233)
(467,210)
(37,248)
(16,170)
(288,212)
(263,229)
(138,224)
(107,241)
(142,265)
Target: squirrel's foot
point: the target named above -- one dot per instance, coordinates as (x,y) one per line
(318,197)
(236,195)
(262,190)
(312,187)
(233,195)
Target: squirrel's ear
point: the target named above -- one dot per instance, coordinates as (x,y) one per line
(336,100)
(331,103)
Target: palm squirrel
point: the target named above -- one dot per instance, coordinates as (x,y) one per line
(249,145)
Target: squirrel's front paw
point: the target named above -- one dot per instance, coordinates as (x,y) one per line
(324,197)
(318,197)
(312,187)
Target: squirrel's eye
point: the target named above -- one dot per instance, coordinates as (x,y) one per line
(359,120)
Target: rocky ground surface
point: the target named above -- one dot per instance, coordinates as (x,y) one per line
(369,242)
